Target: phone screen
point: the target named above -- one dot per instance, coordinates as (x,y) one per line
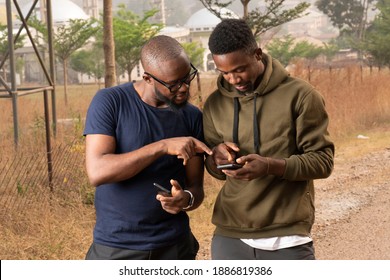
(230,166)
(161,188)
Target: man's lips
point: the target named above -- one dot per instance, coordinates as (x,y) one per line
(241,87)
(181,97)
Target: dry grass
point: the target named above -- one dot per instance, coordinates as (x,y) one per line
(60,226)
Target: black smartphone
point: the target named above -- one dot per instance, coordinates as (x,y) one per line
(161,188)
(230,166)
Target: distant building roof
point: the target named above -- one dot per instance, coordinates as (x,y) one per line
(204,18)
(168,30)
(177,32)
(62,11)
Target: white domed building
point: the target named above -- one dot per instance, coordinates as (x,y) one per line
(201,24)
(62,11)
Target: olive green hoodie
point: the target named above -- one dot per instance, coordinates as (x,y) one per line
(283,118)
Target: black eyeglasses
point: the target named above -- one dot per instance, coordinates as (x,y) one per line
(175,87)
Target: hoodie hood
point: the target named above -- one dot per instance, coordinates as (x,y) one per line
(274,74)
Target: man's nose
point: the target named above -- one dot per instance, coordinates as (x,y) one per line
(233,78)
(184,87)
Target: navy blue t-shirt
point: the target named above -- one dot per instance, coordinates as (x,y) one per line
(127,213)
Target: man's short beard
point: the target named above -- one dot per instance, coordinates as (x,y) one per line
(173,106)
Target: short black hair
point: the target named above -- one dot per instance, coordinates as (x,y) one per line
(158,49)
(231,35)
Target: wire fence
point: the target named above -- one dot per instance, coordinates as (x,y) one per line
(25,180)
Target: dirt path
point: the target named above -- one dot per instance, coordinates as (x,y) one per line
(353,209)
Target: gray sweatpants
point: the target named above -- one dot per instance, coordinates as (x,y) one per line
(225,248)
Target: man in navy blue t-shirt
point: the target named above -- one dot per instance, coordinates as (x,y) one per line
(139,134)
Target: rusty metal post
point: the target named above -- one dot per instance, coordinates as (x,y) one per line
(11,51)
(48,139)
(49,21)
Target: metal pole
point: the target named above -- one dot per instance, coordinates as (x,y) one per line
(163,16)
(52,65)
(15,118)
(12,71)
(48,140)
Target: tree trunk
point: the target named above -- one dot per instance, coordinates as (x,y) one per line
(129,69)
(108,45)
(65,67)
(245,6)
(363,22)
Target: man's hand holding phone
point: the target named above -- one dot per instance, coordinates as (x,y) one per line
(224,156)
(173,201)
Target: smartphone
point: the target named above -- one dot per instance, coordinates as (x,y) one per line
(161,188)
(229,166)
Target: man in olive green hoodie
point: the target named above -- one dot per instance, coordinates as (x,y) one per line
(275,127)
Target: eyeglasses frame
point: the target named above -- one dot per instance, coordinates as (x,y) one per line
(182,81)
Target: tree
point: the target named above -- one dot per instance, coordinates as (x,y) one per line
(286,49)
(329,50)
(304,49)
(97,68)
(350,16)
(195,52)
(377,43)
(89,62)
(280,48)
(4,45)
(67,39)
(261,20)
(81,61)
(130,33)
(108,45)
(4,41)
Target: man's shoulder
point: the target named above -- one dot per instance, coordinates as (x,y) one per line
(213,98)
(298,81)
(117,89)
(115,93)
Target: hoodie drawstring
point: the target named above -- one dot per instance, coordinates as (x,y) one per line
(235,121)
(256,139)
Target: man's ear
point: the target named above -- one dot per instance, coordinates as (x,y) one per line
(258,53)
(146,78)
